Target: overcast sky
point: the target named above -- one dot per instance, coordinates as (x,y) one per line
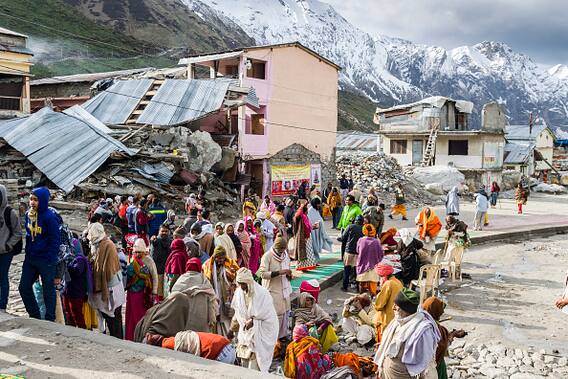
(538,28)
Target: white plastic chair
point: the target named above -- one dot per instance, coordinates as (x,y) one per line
(428,281)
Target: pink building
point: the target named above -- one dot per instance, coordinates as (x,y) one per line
(297,105)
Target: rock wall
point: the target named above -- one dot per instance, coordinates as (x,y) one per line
(299,154)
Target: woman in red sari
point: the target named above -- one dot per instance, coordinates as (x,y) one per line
(246,243)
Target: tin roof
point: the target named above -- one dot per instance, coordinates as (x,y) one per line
(11,33)
(356,141)
(522,132)
(66,146)
(88,77)
(517,153)
(179,101)
(116,104)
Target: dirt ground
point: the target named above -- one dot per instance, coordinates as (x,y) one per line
(510,297)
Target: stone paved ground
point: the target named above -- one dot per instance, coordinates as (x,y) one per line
(507,308)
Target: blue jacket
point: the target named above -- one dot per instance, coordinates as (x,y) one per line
(159,215)
(45,244)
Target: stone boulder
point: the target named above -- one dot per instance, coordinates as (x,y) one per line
(435,188)
(203,151)
(445,176)
(510,179)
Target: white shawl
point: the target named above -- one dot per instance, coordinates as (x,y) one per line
(262,337)
(225,241)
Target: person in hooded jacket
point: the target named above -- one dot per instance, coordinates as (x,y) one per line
(10,235)
(42,247)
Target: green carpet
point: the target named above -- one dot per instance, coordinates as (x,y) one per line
(329,264)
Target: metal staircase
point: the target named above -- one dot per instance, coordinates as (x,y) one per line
(430,150)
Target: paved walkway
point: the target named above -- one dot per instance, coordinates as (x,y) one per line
(541,212)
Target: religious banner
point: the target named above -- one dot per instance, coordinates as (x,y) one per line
(287,179)
(315,177)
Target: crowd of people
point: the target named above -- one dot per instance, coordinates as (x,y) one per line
(223,291)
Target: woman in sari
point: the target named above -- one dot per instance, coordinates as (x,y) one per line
(316,319)
(369,253)
(257,249)
(221,271)
(303,250)
(304,359)
(230,231)
(246,243)
(222,239)
(142,287)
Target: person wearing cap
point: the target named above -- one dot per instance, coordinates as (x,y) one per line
(141,286)
(369,253)
(408,345)
(255,322)
(221,271)
(349,239)
(389,289)
(276,275)
(223,239)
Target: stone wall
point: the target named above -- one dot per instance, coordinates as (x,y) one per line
(299,154)
(60,90)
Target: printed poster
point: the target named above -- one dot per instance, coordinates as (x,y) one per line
(315,177)
(287,179)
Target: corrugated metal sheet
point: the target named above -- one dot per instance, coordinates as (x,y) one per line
(516,153)
(89,77)
(179,101)
(252,99)
(64,146)
(356,141)
(210,57)
(157,171)
(116,104)
(521,132)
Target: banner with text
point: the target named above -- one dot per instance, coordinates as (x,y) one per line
(287,179)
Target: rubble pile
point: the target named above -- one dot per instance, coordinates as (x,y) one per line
(170,163)
(382,173)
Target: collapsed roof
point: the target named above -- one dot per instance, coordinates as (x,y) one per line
(66,146)
(175,102)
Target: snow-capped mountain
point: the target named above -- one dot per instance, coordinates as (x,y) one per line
(392,70)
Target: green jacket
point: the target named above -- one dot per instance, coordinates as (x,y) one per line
(348,215)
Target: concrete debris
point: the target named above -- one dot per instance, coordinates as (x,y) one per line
(383,173)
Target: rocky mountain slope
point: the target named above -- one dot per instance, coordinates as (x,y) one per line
(391,70)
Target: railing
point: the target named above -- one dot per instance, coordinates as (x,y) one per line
(10,103)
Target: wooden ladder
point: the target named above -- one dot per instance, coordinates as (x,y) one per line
(133,119)
(430,150)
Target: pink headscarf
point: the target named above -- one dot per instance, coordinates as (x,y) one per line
(299,332)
